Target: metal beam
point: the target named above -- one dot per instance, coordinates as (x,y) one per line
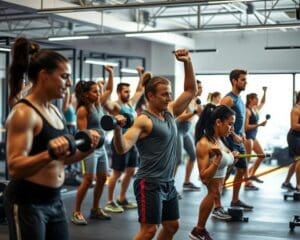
(141,5)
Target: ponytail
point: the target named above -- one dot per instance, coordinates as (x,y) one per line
(21,51)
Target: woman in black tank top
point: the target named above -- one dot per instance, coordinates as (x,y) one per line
(32,198)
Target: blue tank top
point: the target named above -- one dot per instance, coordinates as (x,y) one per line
(158,150)
(129,110)
(70,115)
(48,132)
(240,110)
(253,119)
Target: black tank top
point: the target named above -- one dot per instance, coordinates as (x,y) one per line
(48,132)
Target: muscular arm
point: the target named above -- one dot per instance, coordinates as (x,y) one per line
(182,102)
(20,132)
(139,89)
(109,86)
(227,101)
(206,170)
(123,143)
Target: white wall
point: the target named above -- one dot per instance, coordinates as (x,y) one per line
(246,50)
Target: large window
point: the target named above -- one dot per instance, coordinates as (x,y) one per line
(278,102)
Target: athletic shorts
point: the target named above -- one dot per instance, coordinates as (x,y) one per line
(157,202)
(121,161)
(293,139)
(96,162)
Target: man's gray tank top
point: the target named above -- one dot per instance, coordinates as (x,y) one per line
(158,150)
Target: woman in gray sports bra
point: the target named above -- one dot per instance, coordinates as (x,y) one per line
(213,157)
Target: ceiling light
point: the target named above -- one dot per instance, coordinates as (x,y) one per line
(128,70)
(65,38)
(4,49)
(100,62)
(282,47)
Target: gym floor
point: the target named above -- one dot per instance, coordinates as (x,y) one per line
(269,220)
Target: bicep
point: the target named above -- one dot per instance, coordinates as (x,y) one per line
(227,101)
(202,156)
(181,103)
(132,135)
(19,135)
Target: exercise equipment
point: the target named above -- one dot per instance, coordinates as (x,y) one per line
(294,195)
(268,116)
(237,215)
(295,222)
(230,184)
(82,141)
(109,122)
(248,155)
(198,101)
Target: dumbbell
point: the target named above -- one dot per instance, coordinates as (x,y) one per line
(198,101)
(268,116)
(110,123)
(248,155)
(82,141)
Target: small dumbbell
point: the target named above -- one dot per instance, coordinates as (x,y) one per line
(82,141)
(268,116)
(110,123)
(198,101)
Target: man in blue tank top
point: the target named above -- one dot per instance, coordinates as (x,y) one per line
(155,133)
(124,163)
(236,139)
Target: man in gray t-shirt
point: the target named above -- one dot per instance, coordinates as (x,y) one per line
(154,133)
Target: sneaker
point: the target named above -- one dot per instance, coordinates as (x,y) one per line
(243,205)
(256,179)
(288,186)
(197,234)
(251,188)
(126,205)
(78,219)
(99,214)
(220,213)
(113,207)
(190,187)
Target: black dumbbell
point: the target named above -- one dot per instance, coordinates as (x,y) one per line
(82,141)
(268,116)
(110,123)
(198,101)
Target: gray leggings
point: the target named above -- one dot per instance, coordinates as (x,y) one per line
(186,141)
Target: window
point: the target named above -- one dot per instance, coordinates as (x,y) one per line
(279,93)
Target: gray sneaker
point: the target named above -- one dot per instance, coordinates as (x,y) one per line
(113,207)
(220,213)
(243,205)
(190,187)
(99,214)
(126,205)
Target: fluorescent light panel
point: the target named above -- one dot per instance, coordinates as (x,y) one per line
(128,70)
(65,38)
(4,49)
(100,62)
(282,47)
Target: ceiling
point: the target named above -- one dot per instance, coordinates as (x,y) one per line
(139,18)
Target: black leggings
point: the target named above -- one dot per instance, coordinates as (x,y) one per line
(37,221)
